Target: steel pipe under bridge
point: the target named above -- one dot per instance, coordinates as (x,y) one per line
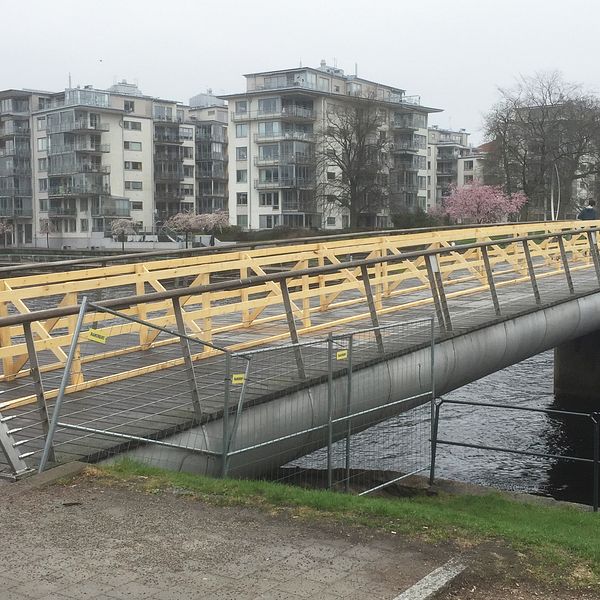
(485,286)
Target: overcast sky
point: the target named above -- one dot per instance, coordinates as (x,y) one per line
(453,53)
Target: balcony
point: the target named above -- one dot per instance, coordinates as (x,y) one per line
(77,125)
(19,152)
(288,113)
(285,159)
(79,147)
(18,171)
(446,172)
(162,175)
(292,182)
(78,168)
(10,210)
(168,138)
(62,211)
(404,189)
(409,122)
(111,207)
(78,190)
(284,135)
(11,129)
(405,146)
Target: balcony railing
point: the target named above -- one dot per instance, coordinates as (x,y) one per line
(79,190)
(79,168)
(285,112)
(408,122)
(16,171)
(77,125)
(62,211)
(168,175)
(446,172)
(17,211)
(406,146)
(285,159)
(284,135)
(292,182)
(79,147)
(112,208)
(11,190)
(162,138)
(20,152)
(10,130)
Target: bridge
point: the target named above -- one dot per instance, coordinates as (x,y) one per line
(240,360)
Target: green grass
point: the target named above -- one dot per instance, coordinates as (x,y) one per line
(558,542)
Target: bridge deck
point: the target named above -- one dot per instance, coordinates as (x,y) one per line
(156,405)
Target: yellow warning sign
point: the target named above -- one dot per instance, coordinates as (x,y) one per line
(95,336)
(238,378)
(341,354)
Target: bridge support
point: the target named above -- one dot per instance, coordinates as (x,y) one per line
(576,372)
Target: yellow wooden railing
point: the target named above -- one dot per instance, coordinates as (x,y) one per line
(212,314)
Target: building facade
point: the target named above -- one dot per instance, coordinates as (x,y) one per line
(72,162)
(275,126)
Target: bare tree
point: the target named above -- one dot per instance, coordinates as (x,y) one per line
(350,159)
(121,228)
(5,229)
(546,134)
(46,228)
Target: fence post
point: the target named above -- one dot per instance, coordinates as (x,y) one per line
(434,437)
(329,409)
(595,417)
(348,409)
(63,385)
(226,391)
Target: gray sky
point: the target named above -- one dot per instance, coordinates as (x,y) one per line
(453,53)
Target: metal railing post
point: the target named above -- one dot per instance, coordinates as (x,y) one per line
(63,386)
(531,271)
(226,392)
(591,235)
(596,421)
(329,409)
(490,279)
(348,409)
(285,294)
(565,262)
(187,359)
(436,423)
(372,309)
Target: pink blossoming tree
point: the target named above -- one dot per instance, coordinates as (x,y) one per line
(482,203)
(189,222)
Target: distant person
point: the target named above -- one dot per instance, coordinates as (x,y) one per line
(589,212)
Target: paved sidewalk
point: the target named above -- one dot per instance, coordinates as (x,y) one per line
(89,541)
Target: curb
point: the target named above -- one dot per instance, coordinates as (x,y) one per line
(41,480)
(434,583)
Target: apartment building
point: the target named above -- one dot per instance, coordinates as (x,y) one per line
(71,162)
(451,161)
(274,129)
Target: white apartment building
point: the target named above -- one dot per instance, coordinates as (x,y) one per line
(274,128)
(451,161)
(76,160)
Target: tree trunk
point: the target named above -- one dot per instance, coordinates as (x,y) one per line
(48,239)
(186,239)
(123,243)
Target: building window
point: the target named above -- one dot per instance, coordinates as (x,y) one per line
(43,185)
(42,164)
(132,125)
(188,152)
(137,146)
(429,165)
(241,107)
(133,166)
(42,144)
(268,105)
(268,221)
(188,171)
(468,179)
(330,175)
(43,204)
(468,165)
(70,225)
(137,206)
(241,153)
(242,198)
(41,123)
(133,185)
(84,225)
(83,205)
(345,221)
(241,130)
(269,199)
(242,221)
(330,221)
(241,176)
(186,133)
(128,105)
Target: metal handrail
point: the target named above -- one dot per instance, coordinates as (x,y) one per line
(235,284)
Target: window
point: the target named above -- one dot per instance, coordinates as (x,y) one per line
(269,128)
(70,225)
(137,206)
(268,221)
(331,221)
(269,199)
(41,123)
(43,185)
(42,144)
(468,165)
(241,176)
(133,166)
(428,179)
(128,105)
(42,164)
(83,205)
(268,105)
(468,179)
(186,133)
(43,204)
(132,125)
(241,130)
(84,225)
(188,171)
(133,185)
(330,175)
(188,152)
(241,107)
(345,221)
(242,220)
(429,165)
(137,146)
(241,153)
(242,198)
